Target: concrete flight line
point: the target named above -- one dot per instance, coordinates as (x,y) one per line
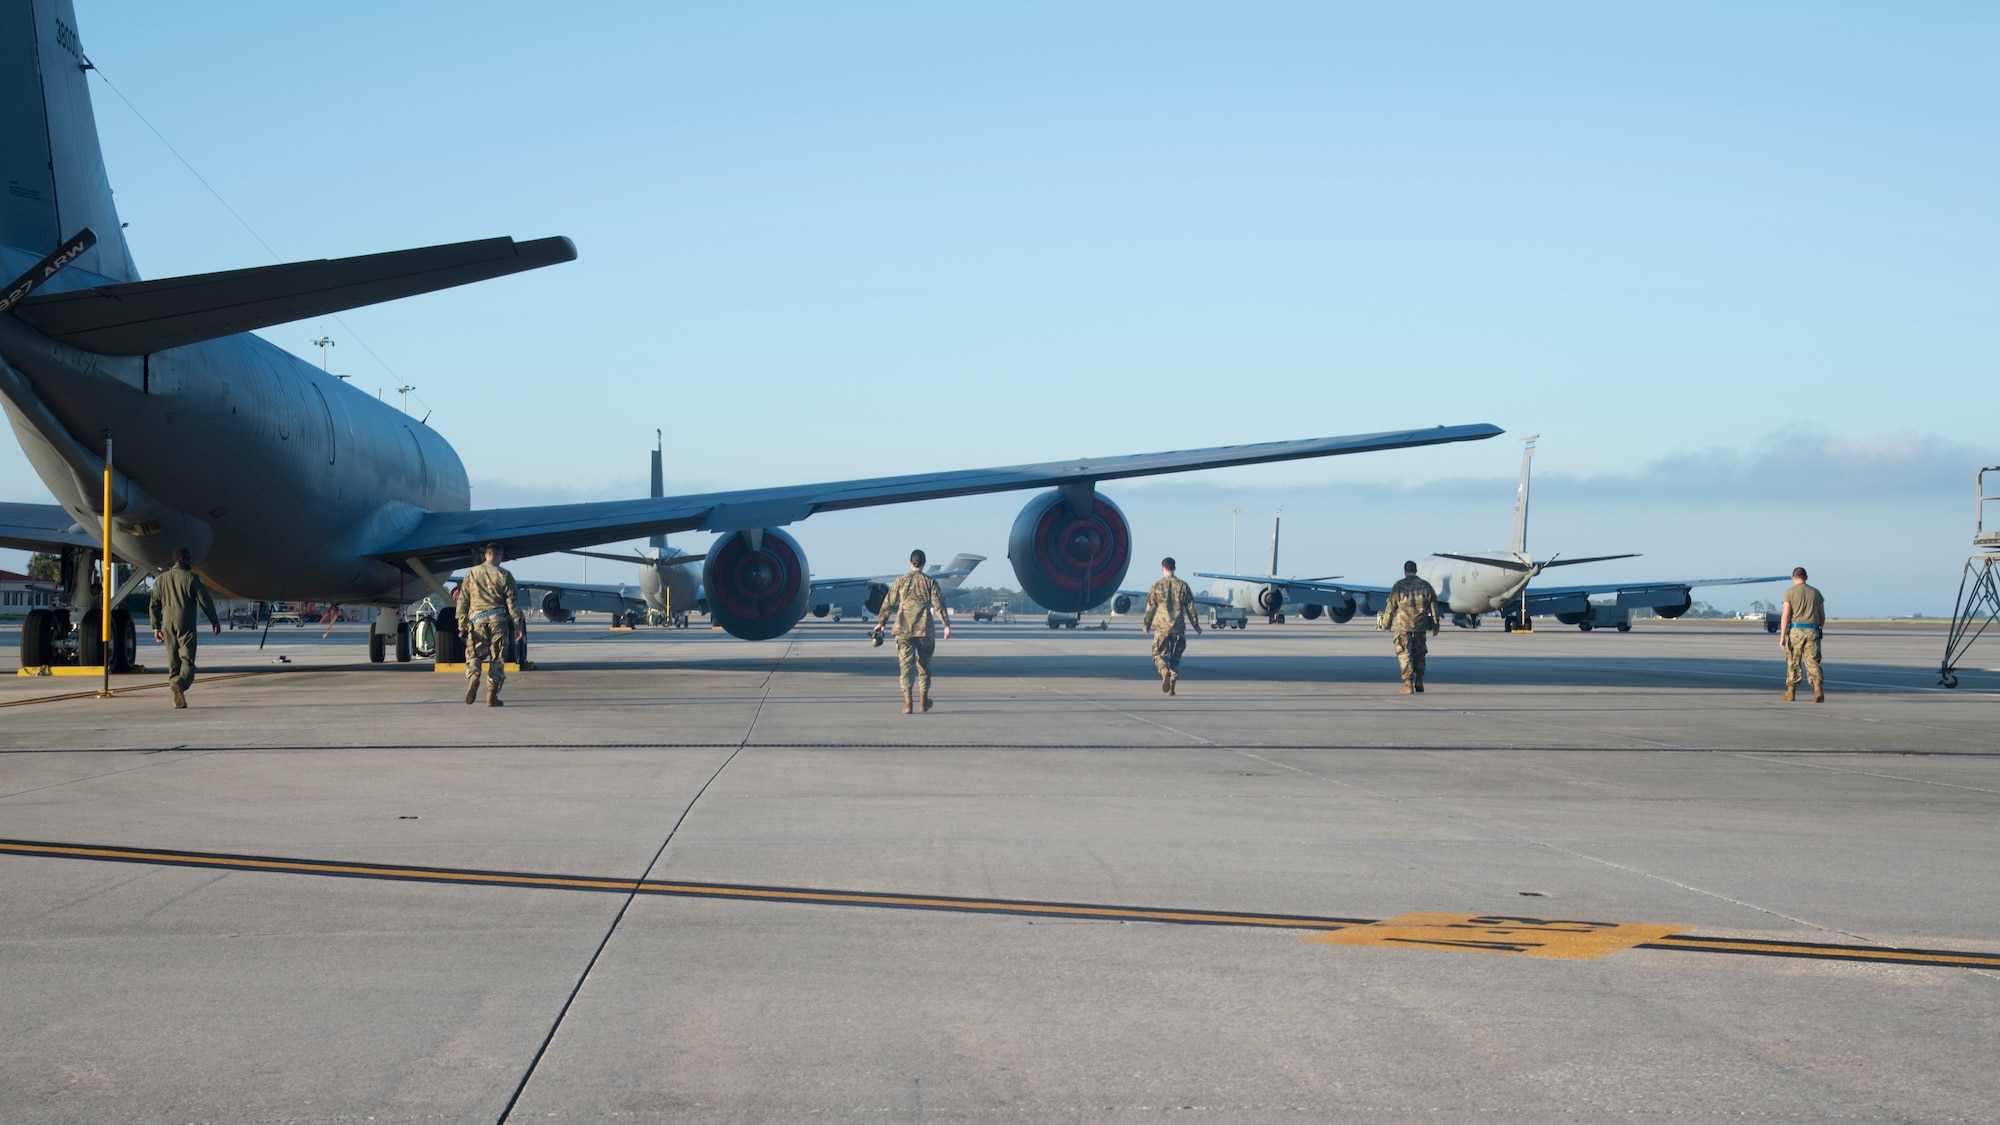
(1521,936)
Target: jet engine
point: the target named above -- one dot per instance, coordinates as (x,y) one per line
(1312,612)
(1342,613)
(1126,603)
(1067,562)
(552,608)
(756,593)
(1270,600)
(1687,603)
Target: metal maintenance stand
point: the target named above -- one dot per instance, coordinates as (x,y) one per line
(1978,587)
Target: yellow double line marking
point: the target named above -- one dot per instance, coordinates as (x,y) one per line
(1942,958)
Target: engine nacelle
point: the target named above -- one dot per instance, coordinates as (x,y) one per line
(1065,562)
(1687,603)
(877,594)
(1342,613)
(1126,603)
(1312,612)
(1270,600)
(756,594)
(552,608)
(821,610)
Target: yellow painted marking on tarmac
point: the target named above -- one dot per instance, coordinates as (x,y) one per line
(94,671)
(1967,959)
(123,690)
(460,668)
(1569,939)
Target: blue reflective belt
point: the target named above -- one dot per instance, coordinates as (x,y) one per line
(478,617)
(1801,625)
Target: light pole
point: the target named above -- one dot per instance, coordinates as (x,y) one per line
(406,388)
(323,343)
(1233,513)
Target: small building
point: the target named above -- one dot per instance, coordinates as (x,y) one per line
(20,593)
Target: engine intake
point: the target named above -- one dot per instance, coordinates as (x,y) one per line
(552,608)
(1271,600)
(1687,603)
(756,594)
(1342,613)
(1065,562)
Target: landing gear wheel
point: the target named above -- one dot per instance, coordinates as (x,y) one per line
(450,646)
(89,645)
(1945,678)
(377,648)
(124,642)
(1584,626)
(38,639)
(402,642)
(1624,626)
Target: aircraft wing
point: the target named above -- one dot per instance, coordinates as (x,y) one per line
(41,527)
(593,596)
(428,536)
(1545,600)
(1296,586)
(1134,601)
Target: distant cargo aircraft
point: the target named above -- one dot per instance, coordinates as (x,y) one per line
(288,484)
(1470,586)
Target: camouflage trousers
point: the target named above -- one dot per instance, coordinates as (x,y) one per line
(180,656)
(1410,650)
(1169,645)
(486,643)
(1802,652)
(913,659)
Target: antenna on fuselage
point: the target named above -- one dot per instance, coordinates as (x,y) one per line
(1518,541)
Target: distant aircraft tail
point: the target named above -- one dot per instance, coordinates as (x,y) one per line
(1275,521)
(658,542)
(49,156)
(953,574)
(1517,543)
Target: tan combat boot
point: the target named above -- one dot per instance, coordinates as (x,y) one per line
(493,698)
(471,691)
(1408,687)
(1819,694)
(1791,691)
(180,697)
(906,703)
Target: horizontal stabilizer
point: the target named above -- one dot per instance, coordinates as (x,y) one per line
(1502,562)
(150,316)
(1593,558)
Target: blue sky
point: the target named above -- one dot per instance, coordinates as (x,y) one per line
(825,241)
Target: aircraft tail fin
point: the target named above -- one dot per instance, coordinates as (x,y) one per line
(658,542)
(954,573)
(49,155)
(1275,521)
(1517,542)
(149,316)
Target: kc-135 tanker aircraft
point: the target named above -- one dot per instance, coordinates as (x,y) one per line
(288,484)
(1469,586)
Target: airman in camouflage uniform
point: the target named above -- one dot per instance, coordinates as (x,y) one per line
(1412,614)
(488,613)
(177,593)
(1170,610)
(1799,627)
(914,599)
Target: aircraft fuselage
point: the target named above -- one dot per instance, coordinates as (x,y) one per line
(274,475)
